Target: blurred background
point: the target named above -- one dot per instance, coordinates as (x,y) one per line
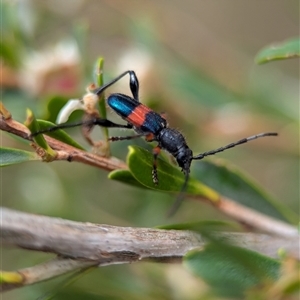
(195,62)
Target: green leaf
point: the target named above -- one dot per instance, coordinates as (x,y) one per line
(59,134)
(33,126)
(140,163)
(284,50)
(102,102)
(229,181)
(231,270)
(100,82)
(10,156)
(124,176)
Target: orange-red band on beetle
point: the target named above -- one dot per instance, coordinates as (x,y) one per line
(138,115)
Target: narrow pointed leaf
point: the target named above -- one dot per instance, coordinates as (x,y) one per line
(284,50)
(126,177)
(171,179)
(100,82)
(10,156)
(33,126)
(102,102)
(59,135)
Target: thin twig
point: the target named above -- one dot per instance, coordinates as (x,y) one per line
(255,219)
(48,270)
(64,151)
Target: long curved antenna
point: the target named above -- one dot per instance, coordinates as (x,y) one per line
(95,121)
(179,198)
(242,141)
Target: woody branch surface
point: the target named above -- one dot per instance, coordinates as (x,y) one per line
(107,244)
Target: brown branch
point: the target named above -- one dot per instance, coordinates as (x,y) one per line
(81,245)
(238,212)
(255,219)
(64,151)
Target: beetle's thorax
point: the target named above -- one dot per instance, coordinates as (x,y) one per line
(174,142)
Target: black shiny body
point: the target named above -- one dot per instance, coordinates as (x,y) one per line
(174,142)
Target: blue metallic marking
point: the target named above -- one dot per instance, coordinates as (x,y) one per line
(122,104)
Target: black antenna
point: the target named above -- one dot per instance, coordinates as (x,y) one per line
(181,195)
(94,121)
(242,141)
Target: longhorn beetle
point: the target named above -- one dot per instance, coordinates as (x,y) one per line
(153,126)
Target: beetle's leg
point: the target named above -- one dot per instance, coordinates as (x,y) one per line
(155,152)
(133,84)
(121,138)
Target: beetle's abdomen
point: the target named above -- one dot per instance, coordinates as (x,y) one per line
(140,116)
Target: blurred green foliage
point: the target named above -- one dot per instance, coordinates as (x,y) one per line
(232,270)
(195,62)
(285,50)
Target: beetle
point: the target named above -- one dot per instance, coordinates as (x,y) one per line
(153,127)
